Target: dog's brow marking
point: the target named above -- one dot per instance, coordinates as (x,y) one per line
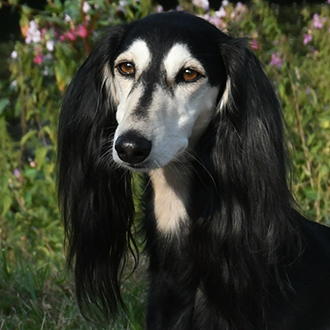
(170,196)
(138,53)
(178,57)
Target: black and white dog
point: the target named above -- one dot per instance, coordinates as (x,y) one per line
(190,107)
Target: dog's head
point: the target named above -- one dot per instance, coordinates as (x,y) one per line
(166,78)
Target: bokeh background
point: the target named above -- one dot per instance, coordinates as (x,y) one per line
(42,44)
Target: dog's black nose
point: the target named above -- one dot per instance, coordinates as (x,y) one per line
(132,148)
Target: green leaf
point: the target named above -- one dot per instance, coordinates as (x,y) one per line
(3,103)
(27,136)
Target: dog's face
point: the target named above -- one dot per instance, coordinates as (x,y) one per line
(166,84)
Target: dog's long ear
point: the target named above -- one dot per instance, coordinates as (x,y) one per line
(252,213)
(94,194)
(251,119)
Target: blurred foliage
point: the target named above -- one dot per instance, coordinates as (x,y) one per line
(56,41)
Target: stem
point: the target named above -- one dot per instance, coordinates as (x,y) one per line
(85,39)
(301,132)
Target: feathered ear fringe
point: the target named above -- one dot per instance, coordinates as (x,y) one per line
(248,223)
(94,194)
(258,163)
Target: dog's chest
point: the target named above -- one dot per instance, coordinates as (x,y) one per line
(170,199)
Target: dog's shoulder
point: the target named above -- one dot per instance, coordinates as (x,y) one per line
(307,302)
(317,238)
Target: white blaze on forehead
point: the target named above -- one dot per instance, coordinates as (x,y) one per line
(139,54)
(180,57)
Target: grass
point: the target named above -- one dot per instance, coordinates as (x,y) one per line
(41,297)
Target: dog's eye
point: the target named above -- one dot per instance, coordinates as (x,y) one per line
(190,75)
(126,68)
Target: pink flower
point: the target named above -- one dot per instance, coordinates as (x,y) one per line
(38,59)
(221,12)
(70,35)
(307,38)
(254,44)
(276,60)
(82,31)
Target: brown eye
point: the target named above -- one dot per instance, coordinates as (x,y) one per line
(126,68)
(190,75)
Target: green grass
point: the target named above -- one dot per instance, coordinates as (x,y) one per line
(42,297)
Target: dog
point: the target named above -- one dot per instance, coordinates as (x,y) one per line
(189,108)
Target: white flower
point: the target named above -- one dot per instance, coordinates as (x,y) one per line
(121,6)
(33,33)
(225,3)
(202,4)
(221,12)
(50,45)
(46,71)
(86,7)
(67,18)
(14,54)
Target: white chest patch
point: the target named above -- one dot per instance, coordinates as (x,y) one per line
(170,199)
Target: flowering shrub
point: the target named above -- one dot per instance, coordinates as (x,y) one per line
(58,39)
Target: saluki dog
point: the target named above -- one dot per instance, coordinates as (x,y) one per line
(189,108)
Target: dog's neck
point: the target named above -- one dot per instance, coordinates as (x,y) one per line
(170,186)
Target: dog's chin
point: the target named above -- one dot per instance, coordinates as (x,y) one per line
(151,164)
(143,167)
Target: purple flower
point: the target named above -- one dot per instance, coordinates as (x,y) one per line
(276,60)
(307,38)
(17,173)
(221,12)
(318,22)
(215,20)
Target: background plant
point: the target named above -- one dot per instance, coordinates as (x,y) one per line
(35,292)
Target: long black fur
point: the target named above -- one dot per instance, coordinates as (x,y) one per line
(247,260)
